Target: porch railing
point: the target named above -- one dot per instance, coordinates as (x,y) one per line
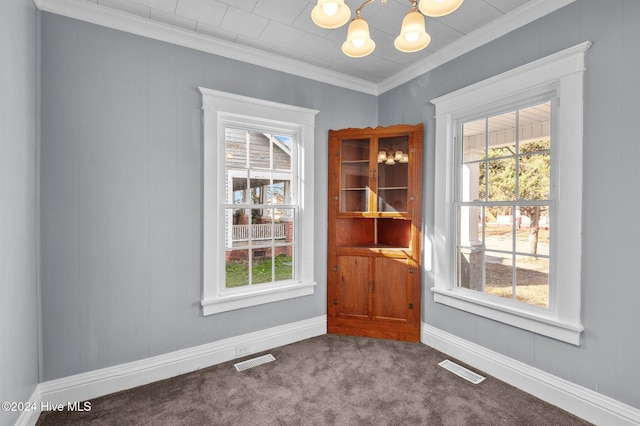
(265,231)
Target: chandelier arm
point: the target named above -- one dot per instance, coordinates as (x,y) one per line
(358,10)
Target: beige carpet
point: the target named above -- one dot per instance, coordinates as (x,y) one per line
(326,380)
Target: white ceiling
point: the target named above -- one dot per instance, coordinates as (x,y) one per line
(280,32)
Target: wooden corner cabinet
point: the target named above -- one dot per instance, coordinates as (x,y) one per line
(374,235)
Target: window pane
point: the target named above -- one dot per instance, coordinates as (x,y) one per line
(501,179)
(473,182)
(262,268)
(236,268)
(535,176)
(283,267)
(473,140)
(470,267)
(239,221)
(532,280)
(278,192)
(502,134)
(499,275)
(239,186)
(499,228)
(256,193)
(235,148)
(282,152)
(284,244)
(260,150)
(535,125)
(533,230)
(470,248)
(470,226)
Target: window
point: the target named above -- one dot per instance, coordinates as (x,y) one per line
(258,202)
(503,205)
(507,240)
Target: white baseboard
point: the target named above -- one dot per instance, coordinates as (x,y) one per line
(582,402)
(93,384)
(30,417)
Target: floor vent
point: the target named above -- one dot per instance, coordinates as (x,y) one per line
(254,362)
(461,371)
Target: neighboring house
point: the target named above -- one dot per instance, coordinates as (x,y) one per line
(260,225)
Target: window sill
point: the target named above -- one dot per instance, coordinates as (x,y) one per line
(527,320)
(230,302)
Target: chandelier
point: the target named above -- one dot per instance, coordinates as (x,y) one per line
(413,36)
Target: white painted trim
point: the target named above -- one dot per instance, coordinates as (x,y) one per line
(511,21)
(146,27)
(527,320)
(543,71)
(222,109)
(558,76)
(230,302)
(30,418)
(93,384)
(585,403)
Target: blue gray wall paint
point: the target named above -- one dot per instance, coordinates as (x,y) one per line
(606,360)
(18,203)
(122,194)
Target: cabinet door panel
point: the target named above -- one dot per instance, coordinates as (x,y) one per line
(391,289)
(353,280)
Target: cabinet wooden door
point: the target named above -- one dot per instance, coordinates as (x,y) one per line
(354,283)
(391,290)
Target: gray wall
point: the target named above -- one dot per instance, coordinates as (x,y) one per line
(121,193)
(607,359)
(18,195)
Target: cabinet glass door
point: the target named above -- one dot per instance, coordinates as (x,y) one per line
(354,176)
(393,174)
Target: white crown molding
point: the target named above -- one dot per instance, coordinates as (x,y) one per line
(585,403)
(94,13)
(117,20)
(93,384)
(513,20)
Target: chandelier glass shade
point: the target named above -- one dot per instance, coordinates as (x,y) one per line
(413,35)
(358,42)
(436,8)
(330,13)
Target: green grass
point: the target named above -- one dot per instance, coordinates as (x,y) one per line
(237,273)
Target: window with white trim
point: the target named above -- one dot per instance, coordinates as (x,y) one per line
(258,202)
(508,199)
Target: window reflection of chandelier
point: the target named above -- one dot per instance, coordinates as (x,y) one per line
(413,35)
(392,157)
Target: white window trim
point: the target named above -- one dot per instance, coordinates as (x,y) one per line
(218,108)
(560,74)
